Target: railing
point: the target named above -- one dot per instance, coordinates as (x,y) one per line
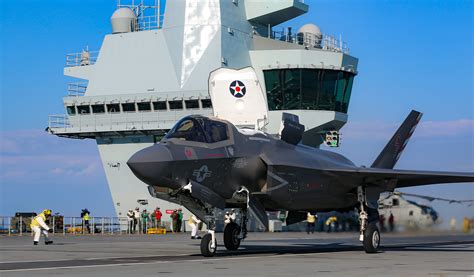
(113,122)
(148,13)
(58,121)
(77,89)
(325,42)
(151,22)
(10,225)
(83,58)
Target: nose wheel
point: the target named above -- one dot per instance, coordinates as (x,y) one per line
(208,246)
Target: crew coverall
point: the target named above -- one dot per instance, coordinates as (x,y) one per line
(39,226)
(194,222)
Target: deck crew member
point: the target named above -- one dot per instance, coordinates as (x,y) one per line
(194,222)
(85,220)
(130,217)
(38,226)
(311,219)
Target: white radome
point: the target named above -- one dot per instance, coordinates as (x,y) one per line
(312,34)
(123,21)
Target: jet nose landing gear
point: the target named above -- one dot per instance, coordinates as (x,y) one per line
(208,245)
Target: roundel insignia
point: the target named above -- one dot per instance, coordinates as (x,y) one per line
(237,89)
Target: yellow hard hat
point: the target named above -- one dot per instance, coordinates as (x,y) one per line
(47,212)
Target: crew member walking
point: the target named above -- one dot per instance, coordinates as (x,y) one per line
(311,219)
(38,226)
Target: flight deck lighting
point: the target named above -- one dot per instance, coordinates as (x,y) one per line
(332,139)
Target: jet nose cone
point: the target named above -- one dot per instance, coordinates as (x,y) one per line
(152,165)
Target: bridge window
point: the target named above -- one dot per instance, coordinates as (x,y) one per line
(395,202)
(128,107)
(98,108)
(113,108)
(144,106)
(308,89)
(160,106)
(206,103)
(176,105)
(71,110)
(191,104)
(84,109)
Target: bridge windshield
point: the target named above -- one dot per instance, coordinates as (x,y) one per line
(200,129)
(308,89)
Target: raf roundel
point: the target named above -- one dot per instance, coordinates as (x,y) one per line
(237,89)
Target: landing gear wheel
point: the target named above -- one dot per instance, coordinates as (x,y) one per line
(371,239)
(206,243)
(231,236)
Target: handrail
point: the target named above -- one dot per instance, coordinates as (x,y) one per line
(324,42)
(74,225)
(83,58)
(77,89)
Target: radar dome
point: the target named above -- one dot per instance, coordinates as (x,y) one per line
(310,35)
(123,20)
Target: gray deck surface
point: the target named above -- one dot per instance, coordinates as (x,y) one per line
(262,254)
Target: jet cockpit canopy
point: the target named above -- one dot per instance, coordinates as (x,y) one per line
(199,129)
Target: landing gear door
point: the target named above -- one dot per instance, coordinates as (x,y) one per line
(237,96)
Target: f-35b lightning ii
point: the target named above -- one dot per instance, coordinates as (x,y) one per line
(204,163)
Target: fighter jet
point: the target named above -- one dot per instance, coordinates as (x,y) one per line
(205,163)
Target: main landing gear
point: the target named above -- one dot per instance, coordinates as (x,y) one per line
(234,234)
(369,233)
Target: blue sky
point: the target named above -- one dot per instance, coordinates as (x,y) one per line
(413,54)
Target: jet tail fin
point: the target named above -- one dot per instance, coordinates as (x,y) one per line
(394,148)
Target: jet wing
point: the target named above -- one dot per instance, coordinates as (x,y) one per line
(393,178)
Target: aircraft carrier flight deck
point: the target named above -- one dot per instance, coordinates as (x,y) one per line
(263,254)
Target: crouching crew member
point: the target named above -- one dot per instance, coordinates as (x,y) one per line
(38,226)
(194,222)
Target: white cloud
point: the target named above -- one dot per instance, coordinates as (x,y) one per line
(35,157)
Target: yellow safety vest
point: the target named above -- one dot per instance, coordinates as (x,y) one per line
(311,218)
(35,223)
(331,220)
(191,220)
(86,217)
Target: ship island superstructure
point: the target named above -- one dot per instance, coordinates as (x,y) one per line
(153,69)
